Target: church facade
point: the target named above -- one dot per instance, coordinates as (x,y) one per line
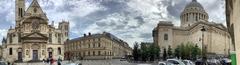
(32,38)
(196,29)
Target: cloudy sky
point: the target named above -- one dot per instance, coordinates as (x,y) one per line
(130,20)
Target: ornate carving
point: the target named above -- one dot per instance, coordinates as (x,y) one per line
(35,24)
(35,46)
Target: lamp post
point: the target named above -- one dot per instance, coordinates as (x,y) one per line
(203,46)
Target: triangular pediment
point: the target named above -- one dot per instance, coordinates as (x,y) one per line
(35,8)
(36,35)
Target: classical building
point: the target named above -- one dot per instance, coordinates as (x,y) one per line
(32,39)
(96,46)
(196,29)
(233,18)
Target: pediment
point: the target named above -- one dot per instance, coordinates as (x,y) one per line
(35,35)
(34,8)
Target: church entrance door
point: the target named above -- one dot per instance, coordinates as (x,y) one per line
(35,55)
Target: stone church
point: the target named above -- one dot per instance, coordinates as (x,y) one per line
(32,38)
(195,28)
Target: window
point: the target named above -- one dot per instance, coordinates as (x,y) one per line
(10,51)
(89,53)
(59,51)
(11,38)
(165,36)
(59,38)
(88,45)
(50,38)
(19,12)
(99,45)
(93,53)
(105,53)
(27,52)
(99,52)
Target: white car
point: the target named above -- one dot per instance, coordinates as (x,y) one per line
(174,62)
(162,63)
(74,64)
(188,62)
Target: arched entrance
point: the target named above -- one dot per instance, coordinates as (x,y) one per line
(50,50)
(19,54)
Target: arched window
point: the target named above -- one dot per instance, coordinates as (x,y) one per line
(165,36)
(10,51)
(59,51)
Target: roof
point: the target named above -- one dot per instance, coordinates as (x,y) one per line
(104,34)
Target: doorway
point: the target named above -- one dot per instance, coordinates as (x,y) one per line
(20,56)
(35,55)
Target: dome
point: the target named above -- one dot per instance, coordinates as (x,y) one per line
(194,3)
(193,12)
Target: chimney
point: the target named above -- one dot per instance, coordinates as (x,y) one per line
(89,34)
(84,35)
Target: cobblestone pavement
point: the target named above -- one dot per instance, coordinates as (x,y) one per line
(91,62)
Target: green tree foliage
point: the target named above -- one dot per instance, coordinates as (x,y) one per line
(148,52)
(169,52)
(187,51)
(136,52)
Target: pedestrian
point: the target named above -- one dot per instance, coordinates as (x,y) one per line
(43,60)
(47,60)
(59,61)
(51,61)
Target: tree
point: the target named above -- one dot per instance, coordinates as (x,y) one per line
(195,52)
(164,54)
(135,52)
(169,51)
(187,51)
(157,51)
(144,52)
(177,52)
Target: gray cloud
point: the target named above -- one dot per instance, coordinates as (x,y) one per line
(130,20)
(176,8)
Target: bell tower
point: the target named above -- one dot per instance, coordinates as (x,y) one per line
(19,10)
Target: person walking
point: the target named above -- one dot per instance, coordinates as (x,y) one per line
(59,61)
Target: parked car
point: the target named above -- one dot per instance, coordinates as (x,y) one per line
(188,62)
(174,62)
(74,64)
(2,63)
(225,61)
(213,62)
(162,63)
(123,59)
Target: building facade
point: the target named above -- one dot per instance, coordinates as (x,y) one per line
(32,39)
(232,17)
(96,46)
(196,29)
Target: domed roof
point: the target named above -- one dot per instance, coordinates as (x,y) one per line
(194,3)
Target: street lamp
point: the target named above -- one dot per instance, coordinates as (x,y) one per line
(203,54)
